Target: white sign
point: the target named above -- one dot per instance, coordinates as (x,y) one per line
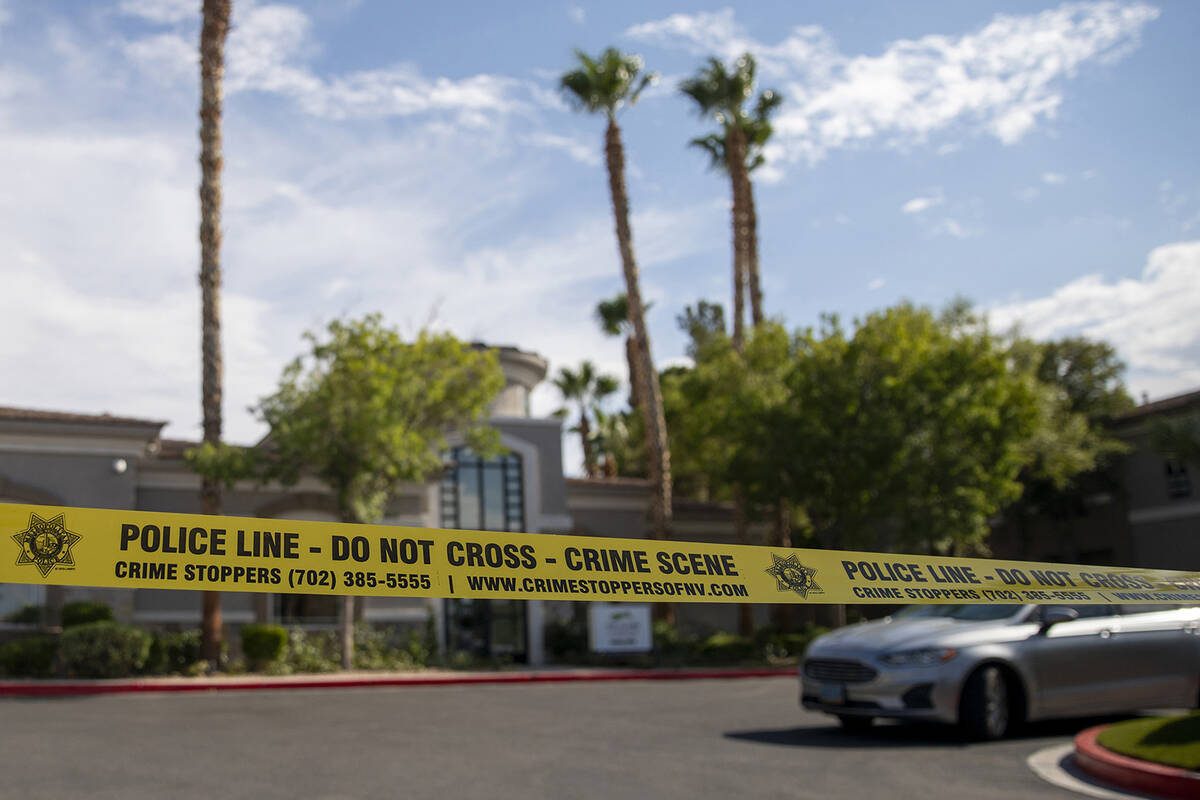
(620,628)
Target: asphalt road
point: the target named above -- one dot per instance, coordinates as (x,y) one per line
(669,739)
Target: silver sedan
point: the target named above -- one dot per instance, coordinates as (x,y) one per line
(990,667)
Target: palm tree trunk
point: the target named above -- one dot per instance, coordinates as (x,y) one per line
(213,31)
(752,277)
(636,391)
(658,453)
(736,164)
(585,439)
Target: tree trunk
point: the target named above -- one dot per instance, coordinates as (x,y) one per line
(346,607)
(214,28)
(756,299)
(735,152)
(585,439)
(635,385)
(346,631)
(658,453)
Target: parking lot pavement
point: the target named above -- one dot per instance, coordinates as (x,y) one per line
(692,739)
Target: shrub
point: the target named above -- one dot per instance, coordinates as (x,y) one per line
(307,653)
(726,647)
(173,653)
(28,615)
(263,644)
(565,638)
(84,613)
(102,650)
(30,657)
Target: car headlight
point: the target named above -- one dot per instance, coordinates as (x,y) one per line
(924,657)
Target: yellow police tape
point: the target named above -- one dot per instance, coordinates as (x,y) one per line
(152,550)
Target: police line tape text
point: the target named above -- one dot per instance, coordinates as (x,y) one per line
(896,571)
(199,541)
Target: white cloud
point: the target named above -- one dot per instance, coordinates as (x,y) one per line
(161,11)
(1151,319)
(1029,193)
(1088,174)
(1004,78)
(584,152)
(268,50)
(1054,178)
(166,57)
(920,204)
(578,14)
(877,283)
(949,226)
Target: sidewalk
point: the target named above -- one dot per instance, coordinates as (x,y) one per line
(1133,774)
(357,680)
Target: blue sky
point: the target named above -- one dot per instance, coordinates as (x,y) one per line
(417,159)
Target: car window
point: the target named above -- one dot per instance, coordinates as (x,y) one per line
(967,613)
(1084,612)
(1148,608)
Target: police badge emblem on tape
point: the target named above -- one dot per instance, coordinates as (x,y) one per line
(46,544)
(791,575)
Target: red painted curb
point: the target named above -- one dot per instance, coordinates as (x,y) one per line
(35,688)
(1133,773)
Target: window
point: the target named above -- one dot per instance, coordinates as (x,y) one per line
(1179,483)
(483,495)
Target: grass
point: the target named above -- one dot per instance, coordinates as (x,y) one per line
(1174,741)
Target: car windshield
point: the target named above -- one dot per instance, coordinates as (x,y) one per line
(970,613)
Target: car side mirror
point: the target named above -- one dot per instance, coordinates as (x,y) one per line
(1053,616)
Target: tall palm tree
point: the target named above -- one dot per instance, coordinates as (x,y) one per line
(605,85)
(613,316)
(213,30)
(737,148)
(585,388)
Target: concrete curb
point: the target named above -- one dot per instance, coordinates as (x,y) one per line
(1133,773)
(65,688)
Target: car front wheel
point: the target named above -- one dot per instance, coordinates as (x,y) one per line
(986,709)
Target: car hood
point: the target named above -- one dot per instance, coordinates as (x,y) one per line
(900,634)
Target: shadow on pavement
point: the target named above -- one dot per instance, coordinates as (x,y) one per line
(900,734)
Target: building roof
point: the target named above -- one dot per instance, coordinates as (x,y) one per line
(174,448)
(39,415)
(1177,403)
(610,482)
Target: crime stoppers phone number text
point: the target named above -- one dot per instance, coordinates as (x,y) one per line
(355,579)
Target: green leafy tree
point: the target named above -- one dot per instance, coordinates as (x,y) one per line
(584,390)
(702,324)
(364,411)
(604,86)
(737,149)
(722,413)
(910,431)
(619,441)
(1177,437)
(1072,453)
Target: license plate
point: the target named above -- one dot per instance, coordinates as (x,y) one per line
(831,693)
